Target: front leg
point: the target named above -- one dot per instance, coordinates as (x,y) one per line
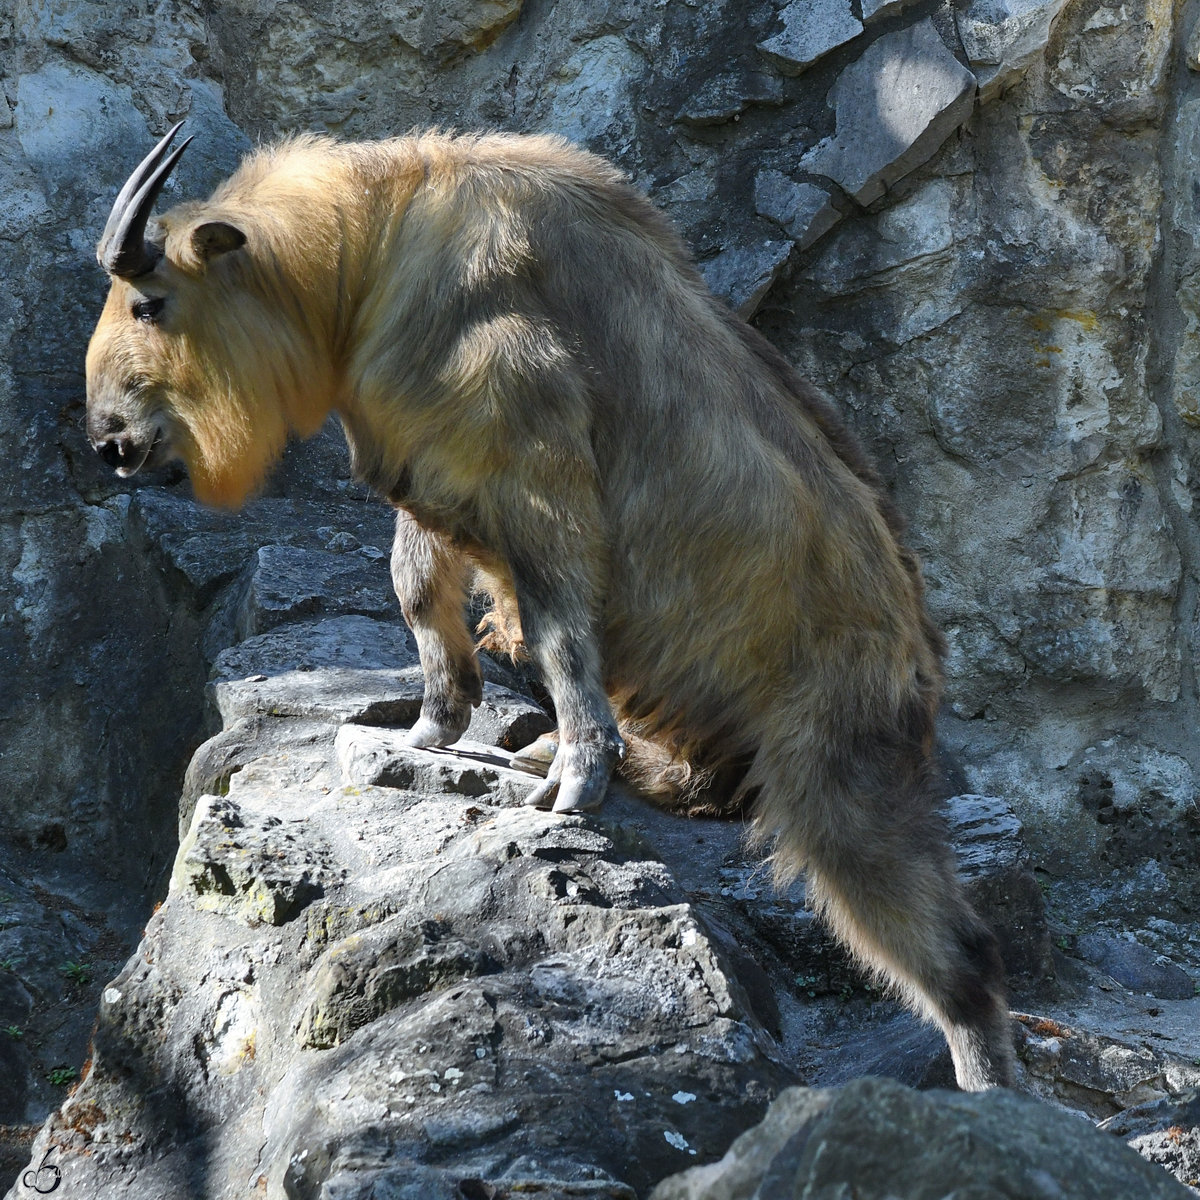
(430,577)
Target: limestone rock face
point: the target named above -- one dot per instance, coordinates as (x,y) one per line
(1004,38)
(971,222)
(895,107)
(360,982)
(809,32)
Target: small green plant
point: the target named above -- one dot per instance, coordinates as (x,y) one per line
(14,1031)
(807,984)
(80,973)
(61,1076)
(8,964)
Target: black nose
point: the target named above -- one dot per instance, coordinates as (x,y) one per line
(115,451)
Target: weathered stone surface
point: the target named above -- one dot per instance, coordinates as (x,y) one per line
(1113,1052)
(1166,1132)
(343,668)
(592,99)
(1130,89)
(442,30)
(206,549)
(879,1139)
(1135,967)
(370,757)
(286,582)
(811,28)
(805,211)
(369,973)
(743,275)
(1003,38)
(1012,329)
(895,106)
(725,97)
(258,872)
(418,986)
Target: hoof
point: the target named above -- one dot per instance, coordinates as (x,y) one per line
(537,757)
(427,734)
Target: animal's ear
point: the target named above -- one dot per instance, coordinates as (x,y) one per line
(214,238)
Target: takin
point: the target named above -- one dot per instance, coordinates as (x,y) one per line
(674,526)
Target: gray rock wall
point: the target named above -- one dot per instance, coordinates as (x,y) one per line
(1009,323)
(971,222)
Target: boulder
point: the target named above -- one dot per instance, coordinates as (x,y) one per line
(876,1139)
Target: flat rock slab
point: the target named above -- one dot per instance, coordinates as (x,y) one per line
(804,211)
(743,275)
(339,669)
(725,97)
(287,583)
(353,642)
(811,29)
(1136,967)
(1113,1054)
(378,757)
(894,106)
(354,669)
(342,669)
(332,694)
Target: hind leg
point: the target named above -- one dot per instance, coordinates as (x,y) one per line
(589,746)
(430,577)
(886,883)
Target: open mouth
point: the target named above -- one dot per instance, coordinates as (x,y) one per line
(157,453)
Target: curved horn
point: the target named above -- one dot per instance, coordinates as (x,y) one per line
(123,249)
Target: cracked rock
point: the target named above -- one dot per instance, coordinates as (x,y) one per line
(1003,38)
(811,28)
(895,106)
(378,757)
(744,274)
(805,211)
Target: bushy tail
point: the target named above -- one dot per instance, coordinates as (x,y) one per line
(846,797)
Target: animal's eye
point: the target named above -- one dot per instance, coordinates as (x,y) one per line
(149,309)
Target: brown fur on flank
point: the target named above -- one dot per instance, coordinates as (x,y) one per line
(676,527)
